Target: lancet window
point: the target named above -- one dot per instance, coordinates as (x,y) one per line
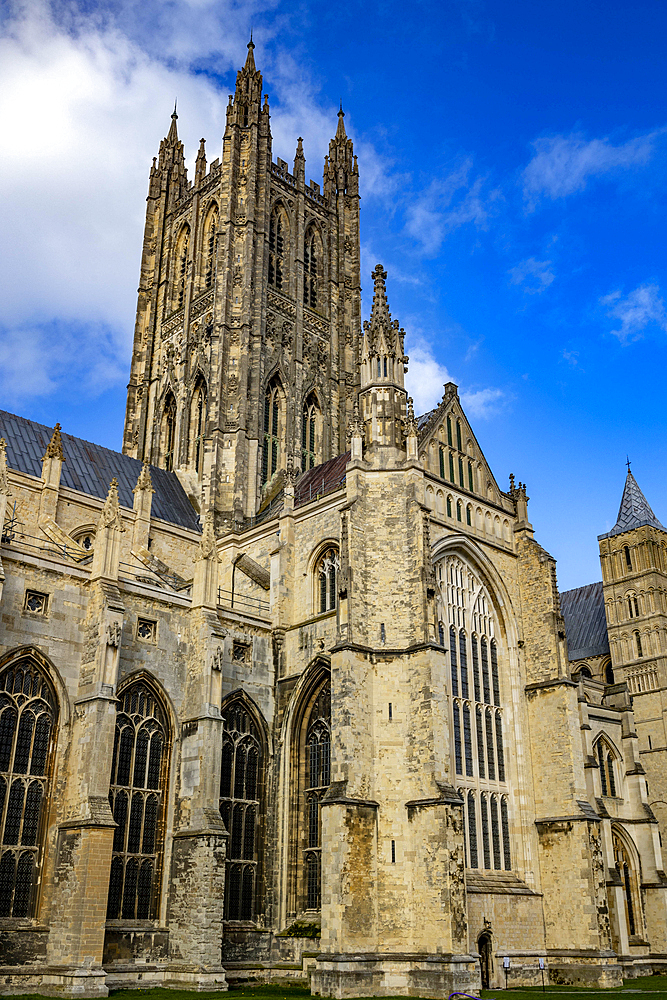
(240,800)
(278,230)
(137,798)
(210,246)
(198,425)
(309,433)
(628,876)
(317,778)
(181,267)
(27,731)
(312,268)
(169,432)
(272,429)
(477,715)
(606,758)
(326,580)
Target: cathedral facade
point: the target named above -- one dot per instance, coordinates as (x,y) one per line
(287,688)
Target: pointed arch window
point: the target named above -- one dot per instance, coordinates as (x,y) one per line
(477,726)
(272,429)
(169,432)
(181,267)
(310,431)
(241,783)
(210,246)
(28,716)
(198,424)
(606,759)
(317,769)
(326,579)
(628,877)
(137,798)
(312,269)
(278,233)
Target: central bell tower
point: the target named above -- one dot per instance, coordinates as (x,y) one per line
(246,344)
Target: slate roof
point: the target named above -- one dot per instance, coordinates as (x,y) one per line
(323,478)
(89,468)
(424,419)
(634,510)
(585,621)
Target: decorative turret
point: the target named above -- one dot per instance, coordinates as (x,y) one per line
(341,172)
(171,170)
(247,104)
(299,164)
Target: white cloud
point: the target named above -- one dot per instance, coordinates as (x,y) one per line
(426,378)
(85,97)
(562,165)
(445,205)
(636,311)
(534,275)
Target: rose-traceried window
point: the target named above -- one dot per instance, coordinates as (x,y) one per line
(240,791)
(477,713)
(28,715)
(137,798)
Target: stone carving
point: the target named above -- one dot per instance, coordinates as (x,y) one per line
(110,516)
(114,633)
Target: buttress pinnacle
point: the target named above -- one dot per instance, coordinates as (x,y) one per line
(340,131)
(172,135)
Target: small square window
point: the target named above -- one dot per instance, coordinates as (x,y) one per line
(146,629)
(35,602)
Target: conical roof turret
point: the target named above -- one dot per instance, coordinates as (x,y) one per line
(634,511)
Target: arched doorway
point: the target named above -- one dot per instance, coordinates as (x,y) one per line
(485,949)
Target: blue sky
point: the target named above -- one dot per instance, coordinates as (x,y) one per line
(512,160)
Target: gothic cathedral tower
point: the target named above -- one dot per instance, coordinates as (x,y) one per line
(247,334)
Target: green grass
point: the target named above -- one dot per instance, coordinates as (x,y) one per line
(642,987)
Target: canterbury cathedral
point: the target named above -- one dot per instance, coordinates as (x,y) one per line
(287,687)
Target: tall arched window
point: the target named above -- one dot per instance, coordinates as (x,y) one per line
(272,429)
(477,735)
(181,267)
(326,577)
(628,877)
(169,432)
(210,246)
(317,777)
(27,731)
(309,432)
(605,758)
(240,791)
(312,267)
(278,232)
(198,426)
(137,798)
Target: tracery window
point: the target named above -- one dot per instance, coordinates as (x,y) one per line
(137,798)
(278,230)
(312,268)
(27,722)
(272,429)
(309,432)
(478,738)
(169,432)
(318,776)
(326,577)
(181,267)
(198,424)
(605,758)
(210,246)
(240,790)
(628,877)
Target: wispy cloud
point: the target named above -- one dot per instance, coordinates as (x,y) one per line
(533,275)
(563,164)
(447,204)
(426,378)
(636,311)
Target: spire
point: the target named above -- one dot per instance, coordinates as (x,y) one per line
(172,135)
(341,134)
(382,349)
(247,104)
(634,510)
(250,59)
(54,449)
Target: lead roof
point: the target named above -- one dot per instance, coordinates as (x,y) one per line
(585,621)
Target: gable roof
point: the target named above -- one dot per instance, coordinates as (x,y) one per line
(585,621)
(89,468)
(634,510)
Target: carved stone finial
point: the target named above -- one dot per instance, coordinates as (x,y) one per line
(54,449)
(356,424)
(411,428)
(110,516)
(207,546)
(512,486)
(4,480)
(144,482)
